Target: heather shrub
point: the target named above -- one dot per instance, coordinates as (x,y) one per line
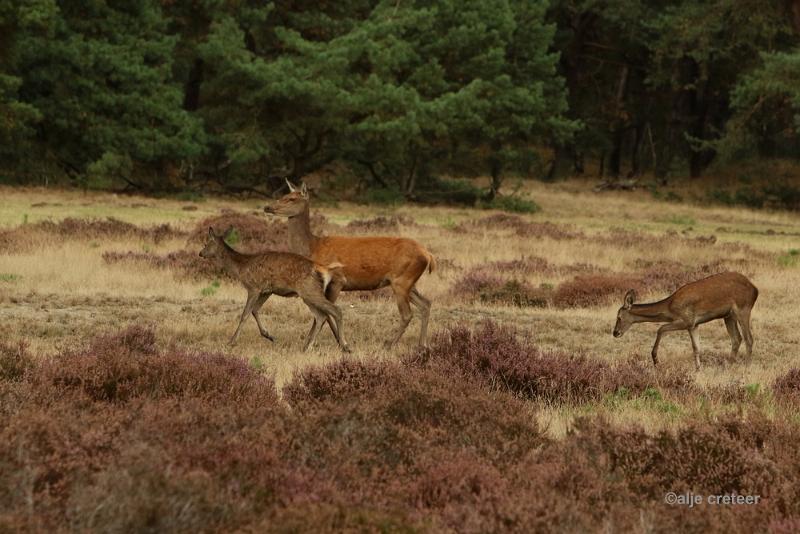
(594,290)
(526,265)
(324,518)
(788,385)
(667,276)
(14,361)
(442,440)
(375,429)
(495,356)
(380,223)
(483,286)
(338,381)
(520,226)
(708,459)
(183,263)
(121,435)
(132,496)
(23,237)
(255,232)
(118,368)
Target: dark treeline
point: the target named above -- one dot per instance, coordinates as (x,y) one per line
(165,95)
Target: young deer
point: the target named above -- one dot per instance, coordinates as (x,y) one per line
(729,296)
(369,262)
(283,274)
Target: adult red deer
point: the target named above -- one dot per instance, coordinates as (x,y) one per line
(369,262)
(284,274)
(729,296)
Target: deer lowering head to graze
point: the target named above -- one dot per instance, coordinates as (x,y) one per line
(729,296)
(369,262)
(283,274)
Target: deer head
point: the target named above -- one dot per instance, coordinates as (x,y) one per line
(215,246)
(624,316)
(292,203)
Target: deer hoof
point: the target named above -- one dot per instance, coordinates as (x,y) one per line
(267,336)
(346,348)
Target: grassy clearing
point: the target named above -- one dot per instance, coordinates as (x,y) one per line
(60,291)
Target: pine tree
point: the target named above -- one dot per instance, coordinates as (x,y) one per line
(101,78)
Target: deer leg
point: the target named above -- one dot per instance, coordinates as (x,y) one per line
(331,294)
(316,326)
(424,306)
(334,318)
(733,331)
(262,298)
(248,308)
(695,346)
(401,294)
(743,318)
(669,327)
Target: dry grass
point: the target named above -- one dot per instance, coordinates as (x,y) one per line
(59,290)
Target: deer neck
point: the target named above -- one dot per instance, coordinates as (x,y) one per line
(301,240)
(231,261)
(654,312)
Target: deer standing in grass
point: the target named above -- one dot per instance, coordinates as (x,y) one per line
(729,296)
(284,274)
(369,262)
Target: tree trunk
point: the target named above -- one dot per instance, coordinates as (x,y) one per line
(615,159)
(618,133)
(699,159)
(191,91)
(638,134)
(495,170)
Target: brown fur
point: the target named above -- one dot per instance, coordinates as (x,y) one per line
(729,296)
(284,274)
(369,262)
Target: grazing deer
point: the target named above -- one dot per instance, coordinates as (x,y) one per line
(729,296)
(284,274)
(369,262)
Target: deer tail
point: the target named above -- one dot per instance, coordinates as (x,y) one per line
(431,262)
(331,272)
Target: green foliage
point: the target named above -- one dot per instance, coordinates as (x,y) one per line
(169,96)
(381,196)
(683,220)
(777,195)
(232,237)
(10,277)
(100,79)
(211,289)
(790,259)
(511,203)
(451,192)
(766,105)
(654,86)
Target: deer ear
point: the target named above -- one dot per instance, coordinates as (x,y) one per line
(292,188)
(211,232)
(304,190)
(630,298)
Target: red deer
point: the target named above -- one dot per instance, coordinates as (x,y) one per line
(729,296)
(284,274)
(369,262)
